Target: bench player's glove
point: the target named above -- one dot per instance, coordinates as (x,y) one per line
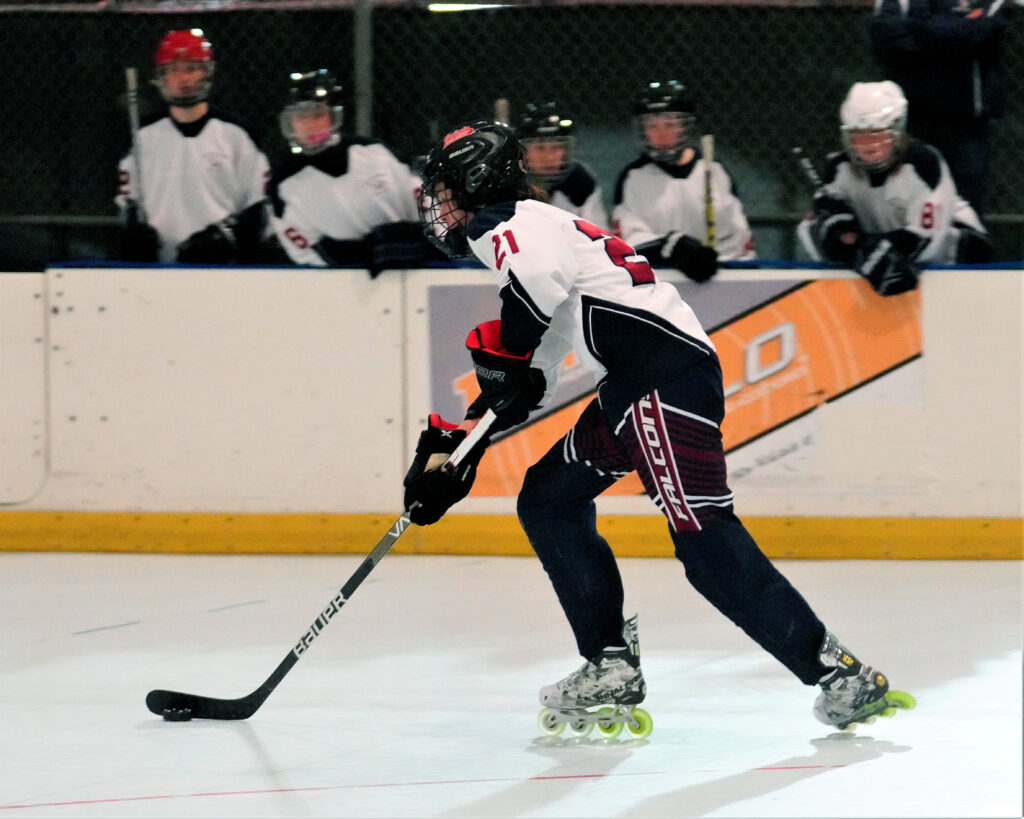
(699,262)
(396,246)
(214,244)
(835,230)
(888,270)
(137,239)
(138,243)
(511,387)
(430,492)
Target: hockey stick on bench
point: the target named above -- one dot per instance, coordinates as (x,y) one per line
(175,706)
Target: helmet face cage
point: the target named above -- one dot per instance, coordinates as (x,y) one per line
(668,108)
(873,125)
(191,48)
(475,165)
(313,100)
(444,223)
(549,144)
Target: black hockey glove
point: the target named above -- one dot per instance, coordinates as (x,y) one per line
(430,492)
(511,387)
(214,244)
(138,243)
(137,240)
(973,247)
(836,232)
(699,262)
(888,270)
(396,245)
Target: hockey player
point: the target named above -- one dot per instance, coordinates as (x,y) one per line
(341,200)
(549,141)
(659,198)
(200,166)
(889,203)
(567,285)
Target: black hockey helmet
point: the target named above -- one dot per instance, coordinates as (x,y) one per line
(549,141)
(312,94)
(672,98)
(475,165)
(542,121)
(662,97)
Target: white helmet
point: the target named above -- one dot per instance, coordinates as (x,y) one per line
(873,123)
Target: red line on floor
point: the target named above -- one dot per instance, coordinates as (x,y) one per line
(121,799)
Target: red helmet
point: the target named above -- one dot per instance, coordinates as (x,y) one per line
(187,44)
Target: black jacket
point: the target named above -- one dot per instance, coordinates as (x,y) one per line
(945,54)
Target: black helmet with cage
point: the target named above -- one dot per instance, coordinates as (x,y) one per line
(671,99)
(475,165)
(549,140)
(312,95)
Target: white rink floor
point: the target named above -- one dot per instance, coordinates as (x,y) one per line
(419,698)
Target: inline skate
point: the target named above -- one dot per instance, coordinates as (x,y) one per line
(853,693)
(602,693)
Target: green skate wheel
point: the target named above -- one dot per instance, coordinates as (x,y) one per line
(644,724)
(580,726)
(607,727)
(549,722)
(901,699)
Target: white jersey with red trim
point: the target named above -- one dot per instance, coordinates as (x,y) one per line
(918,195)
(568,285)
(341,194)
(653,200)
(193,174)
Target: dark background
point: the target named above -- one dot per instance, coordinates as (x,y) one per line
(766,78)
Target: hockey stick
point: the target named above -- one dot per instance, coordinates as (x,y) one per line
(810,172)
(178,707)
(132,97)
(707,148)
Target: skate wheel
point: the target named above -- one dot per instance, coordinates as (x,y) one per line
(607,727)
(549,723)
(900,699)
(641,724)
(580,726)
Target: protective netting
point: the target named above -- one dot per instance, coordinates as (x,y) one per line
(767,77)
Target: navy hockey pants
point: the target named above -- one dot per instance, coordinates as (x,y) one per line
(671,437)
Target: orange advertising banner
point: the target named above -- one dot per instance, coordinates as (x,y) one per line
(779,360)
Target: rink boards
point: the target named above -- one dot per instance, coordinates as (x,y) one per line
(262,410)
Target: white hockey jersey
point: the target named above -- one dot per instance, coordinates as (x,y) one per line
(653,200)
(193,174)
(918,195)
(567,284)
(580,193)
(341,194)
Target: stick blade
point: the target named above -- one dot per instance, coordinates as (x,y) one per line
(159,701)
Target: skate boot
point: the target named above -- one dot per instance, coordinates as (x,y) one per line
(852,692)
(602,693)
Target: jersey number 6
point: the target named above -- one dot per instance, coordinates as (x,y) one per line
(619,252)
(297,238)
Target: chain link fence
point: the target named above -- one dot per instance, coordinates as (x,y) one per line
(767,77)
